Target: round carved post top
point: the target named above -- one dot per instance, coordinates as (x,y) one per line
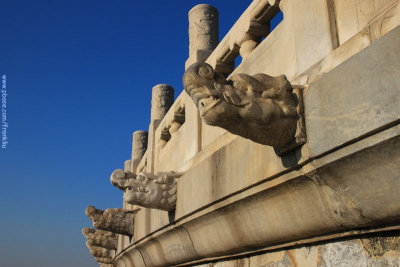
(203,28)
(139,147)
(139,140)
(162,99)
(203,33)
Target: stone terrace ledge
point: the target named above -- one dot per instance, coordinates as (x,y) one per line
(238,197)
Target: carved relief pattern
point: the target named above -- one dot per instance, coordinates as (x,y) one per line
(101,252)
(100,238)
(116,220)
(139,146)
(147,190)
(162,99)
(261,108)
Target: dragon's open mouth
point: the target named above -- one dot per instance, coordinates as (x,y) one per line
(137,188)
(205,104)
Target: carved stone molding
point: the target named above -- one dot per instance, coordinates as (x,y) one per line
(115,220)
(262,108)
(147,190)
(100,238)
(104,260)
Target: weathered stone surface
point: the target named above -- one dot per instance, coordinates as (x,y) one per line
(244,36)
(237,195)
(328,199)
(347,253)
(353,15)
(100,238)
(101,252)
(203,33)
(139,146)
(133,257)
(104,260)
(115,220)
(146,189)
(175,247)
(161,100)
(261,108)
(356,98)
(184,143)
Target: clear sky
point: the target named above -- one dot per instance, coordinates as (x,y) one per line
(79,78)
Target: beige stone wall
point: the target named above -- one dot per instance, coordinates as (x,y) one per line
(353,16)
(351,102)
(370,251)
(300,41)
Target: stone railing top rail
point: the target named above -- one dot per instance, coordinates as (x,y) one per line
(252,25)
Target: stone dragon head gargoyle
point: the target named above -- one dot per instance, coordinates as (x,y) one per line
(114,220)
(100,238)
(157,191)
(260,107)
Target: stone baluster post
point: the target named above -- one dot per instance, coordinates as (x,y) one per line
(203,33)
(161,100)
(139,146)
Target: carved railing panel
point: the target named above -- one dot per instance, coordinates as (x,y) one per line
(244,36)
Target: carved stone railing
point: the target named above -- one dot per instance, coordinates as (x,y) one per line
(243,195)
(244,36)
(171,123)
(115,220)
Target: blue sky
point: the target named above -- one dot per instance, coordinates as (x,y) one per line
(79,79)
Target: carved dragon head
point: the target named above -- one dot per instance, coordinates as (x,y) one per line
(114,220)
(259,107)
(100,238)
(147,190)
